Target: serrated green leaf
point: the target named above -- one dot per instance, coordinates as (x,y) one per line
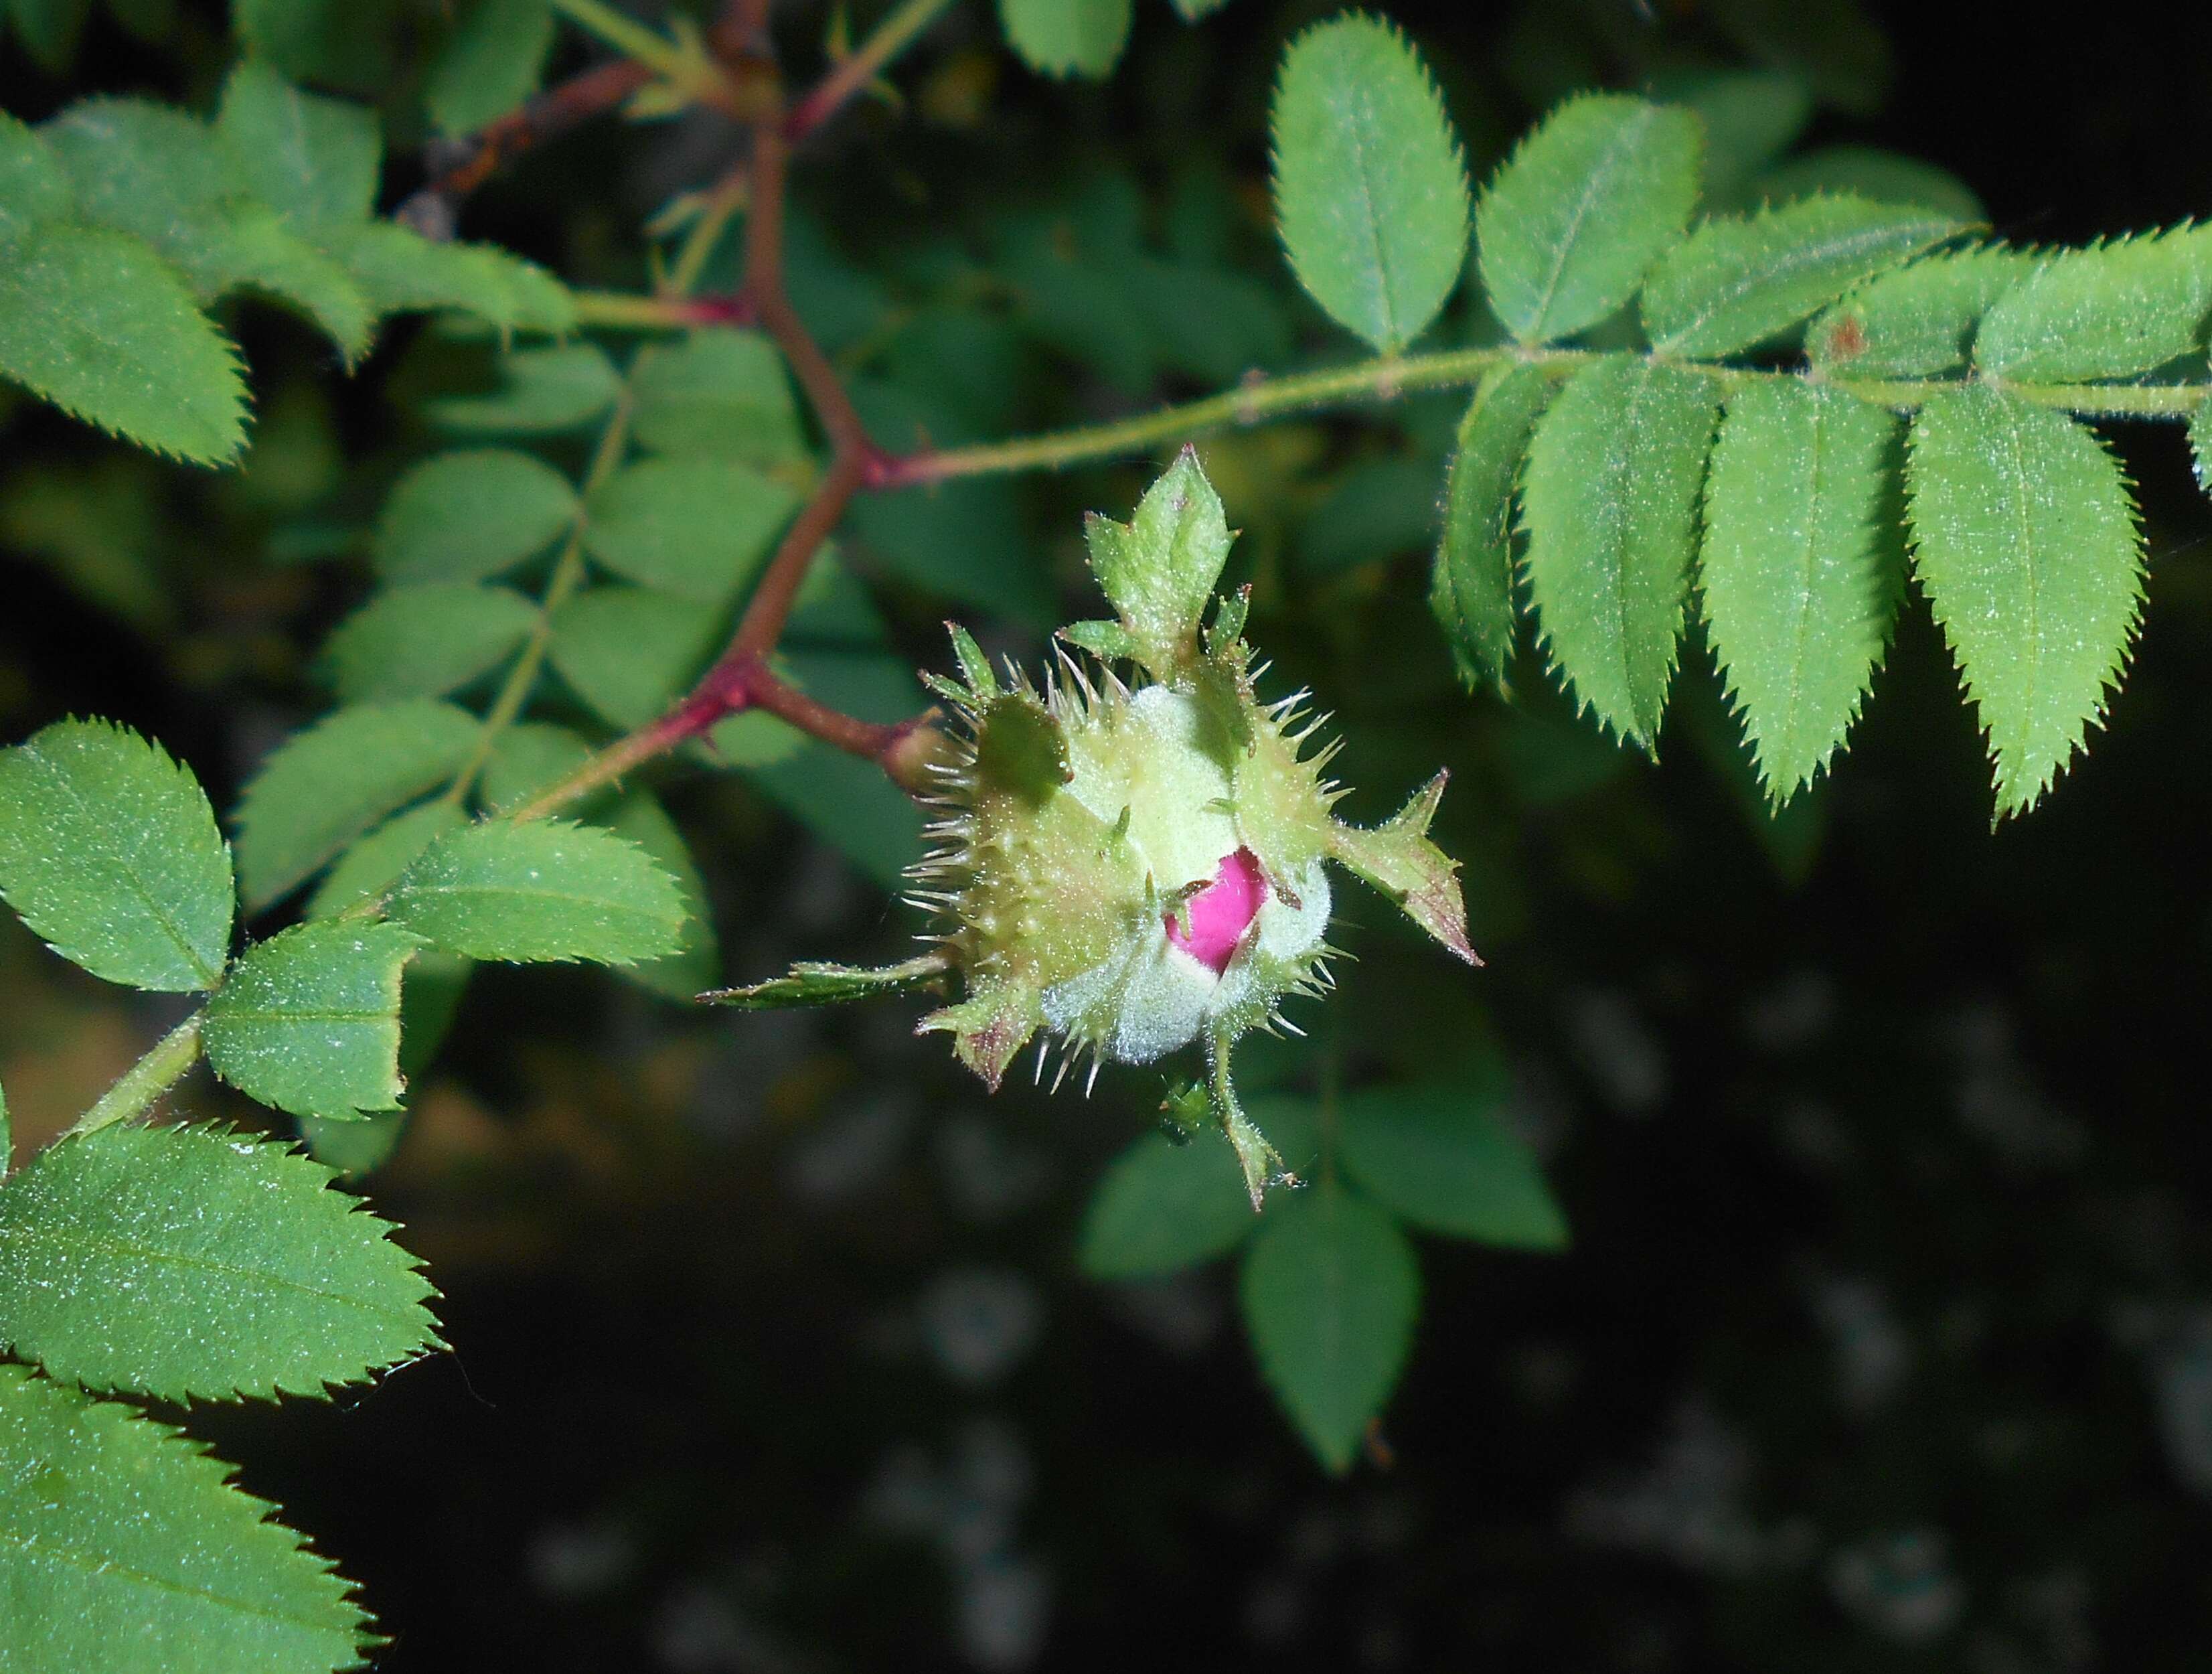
(1162,1206)
(1067,36)
(1609,496)
(194,1263)
(698,529)
(1471,587)
(426,641)
(2026,545)
(370,866)
(1797,593)
(1916,321)
(1370,194)
(467,516)
(98,325)
(629,651)
(1440,1154)
(696,963)
(491,61)
(2109,312)
(718,394)
(325,787)
(811,982)
(545,391)
(309,1020)
(401,271)
(543,891)
(163,176)
(109,851)
(1158,569)
(33,187)
(1330,1289)
(1881,177)
(120,1539)
(313,160)
(1738,280)
(1575,218)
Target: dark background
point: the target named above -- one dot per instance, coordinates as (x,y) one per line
(1885,1340)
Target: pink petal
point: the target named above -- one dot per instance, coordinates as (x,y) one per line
(1222,911)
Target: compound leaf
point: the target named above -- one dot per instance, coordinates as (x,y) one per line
(325,787)
(1609,496)
(718,394)
(1439,1153)
(467,516)
(309,1020)
(195,1262)
(1330,1289)
(2109,312)
(1370,194)
(1738,280)
(1600,189)
(2027,547)
(1797,593)
(123,1544)
(109,851)
(1471,588)
(426,641)
(546,890)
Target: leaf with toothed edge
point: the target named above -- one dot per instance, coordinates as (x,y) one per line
(309,1020)
(124,1546)
(1471,585)
(194,1263)
(812,984)
(1158,569)
(545,890)
(2111,311)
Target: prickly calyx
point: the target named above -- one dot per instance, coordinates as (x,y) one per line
(1138,865)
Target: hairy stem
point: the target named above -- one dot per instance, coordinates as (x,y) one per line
(885,42)
(146,1080)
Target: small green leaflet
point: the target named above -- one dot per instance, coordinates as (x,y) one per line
(1471,587)
(544,392)
(1330,1289)
(1371,195)
(194,1263)
(2111,311)
(109,851)
(546,890)
(467,516)
(98,325)
(630,651)
(1158,569)
(2027,547)
(426,641)
(530,757)
(697,529)
(1738,280)
(325,787)
(314,160)
(1439,1153)
(1609,498)
(1798,592)
(492,60)
(1163,1207)
(370,866)
(1587,203)
(1916,321)
(1067,36)
(122,1545)
(308,1021)
(717,394)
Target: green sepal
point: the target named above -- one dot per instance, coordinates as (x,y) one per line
(1398,858)
(975,666)
(995,1021)
(813,984)
(1160,568)
(1106,641)
(1021,747)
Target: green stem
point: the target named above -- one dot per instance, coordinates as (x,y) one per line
(567,575)
(627,36)
(884,42)
(146,1080)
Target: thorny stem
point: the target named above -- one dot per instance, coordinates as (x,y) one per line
(884,42)
(146,1080)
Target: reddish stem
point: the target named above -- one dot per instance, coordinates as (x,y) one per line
(466,162)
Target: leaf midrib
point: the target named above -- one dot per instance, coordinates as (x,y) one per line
(1599,176)
(98,1567)
(92,1243)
